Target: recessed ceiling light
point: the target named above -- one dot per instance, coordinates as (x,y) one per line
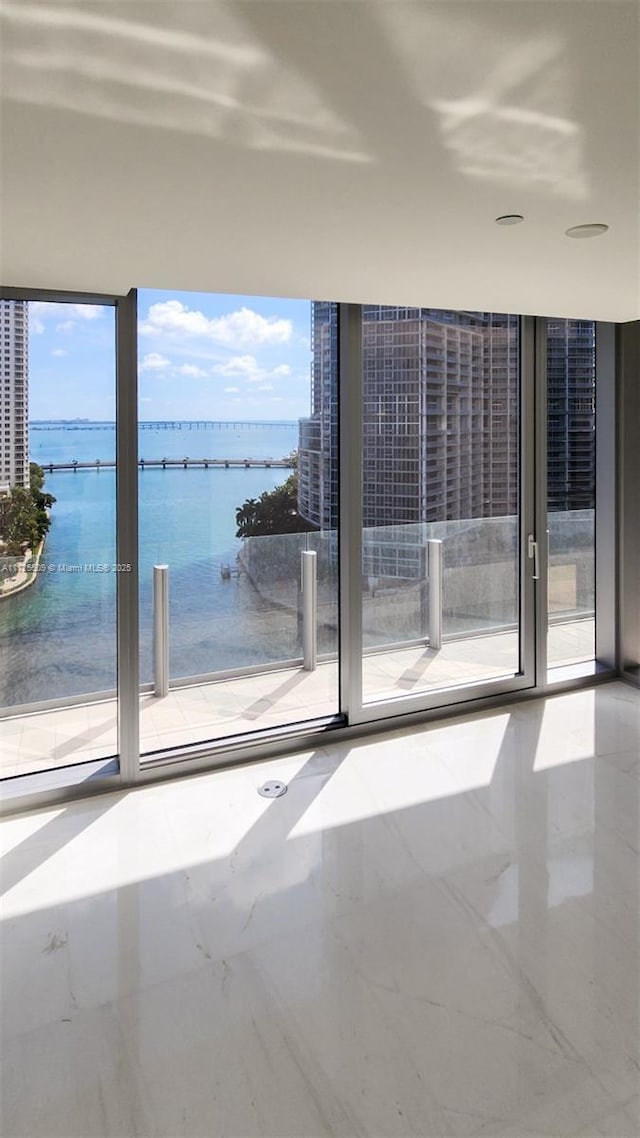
(509,219)
(593,230)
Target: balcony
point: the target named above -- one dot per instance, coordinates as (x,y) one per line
(257,639)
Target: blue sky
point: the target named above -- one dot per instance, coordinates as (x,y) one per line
(201,356)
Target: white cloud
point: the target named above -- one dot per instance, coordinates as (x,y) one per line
(153,361)
(88,311)
(248,327)
(172,316)
(248,368)
(66,326)
(173,319)
(245,366)
(230,390)
(146,399)
(192,371)
(41,309)
(59,352)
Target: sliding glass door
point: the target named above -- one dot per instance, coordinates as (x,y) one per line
(238,529)
(446,508)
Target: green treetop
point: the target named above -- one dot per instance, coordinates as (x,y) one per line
(24,518)
(275,511)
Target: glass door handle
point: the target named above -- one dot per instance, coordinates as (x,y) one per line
(533,553)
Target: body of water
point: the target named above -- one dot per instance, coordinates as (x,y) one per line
(58,637)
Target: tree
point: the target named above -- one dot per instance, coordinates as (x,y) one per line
(36,476)
(275,511)
(246,516)
(42,500)
(24,518)
(19,521)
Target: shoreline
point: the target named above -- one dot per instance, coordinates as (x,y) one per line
(25,578)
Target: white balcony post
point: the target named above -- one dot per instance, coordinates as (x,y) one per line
(160,630)
(434,562)
(309,589)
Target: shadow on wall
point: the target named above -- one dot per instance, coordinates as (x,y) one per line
(490,95)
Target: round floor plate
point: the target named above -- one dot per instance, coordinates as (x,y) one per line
(272,789)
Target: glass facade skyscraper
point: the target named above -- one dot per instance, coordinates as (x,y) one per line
(440,416)
(571,436)
(14,394)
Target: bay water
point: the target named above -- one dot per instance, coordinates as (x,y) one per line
(58,637)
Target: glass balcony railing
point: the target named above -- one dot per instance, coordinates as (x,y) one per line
(571,587)
(232,617)
(479,579)
(241,610)
(480,576)
(261,621)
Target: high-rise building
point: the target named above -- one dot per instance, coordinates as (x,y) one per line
(14,394)
(571,444)
(318,434)
(440,416)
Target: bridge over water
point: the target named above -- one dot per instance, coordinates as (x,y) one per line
(167,463)
(168,425)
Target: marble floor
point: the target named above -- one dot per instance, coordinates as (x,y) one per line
(85,732)
(433,933)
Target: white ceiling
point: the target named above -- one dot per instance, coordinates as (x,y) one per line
(345,150)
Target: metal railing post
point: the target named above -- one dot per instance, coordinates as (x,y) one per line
(160,630)
(309,590)
(434,562)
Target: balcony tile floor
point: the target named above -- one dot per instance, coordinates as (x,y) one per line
(433,934)
(85,732)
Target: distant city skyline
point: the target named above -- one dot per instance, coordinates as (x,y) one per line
(201,356)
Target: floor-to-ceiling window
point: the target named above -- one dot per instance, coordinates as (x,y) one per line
(57,535)
(442,462)
(229,491)
(237,539)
